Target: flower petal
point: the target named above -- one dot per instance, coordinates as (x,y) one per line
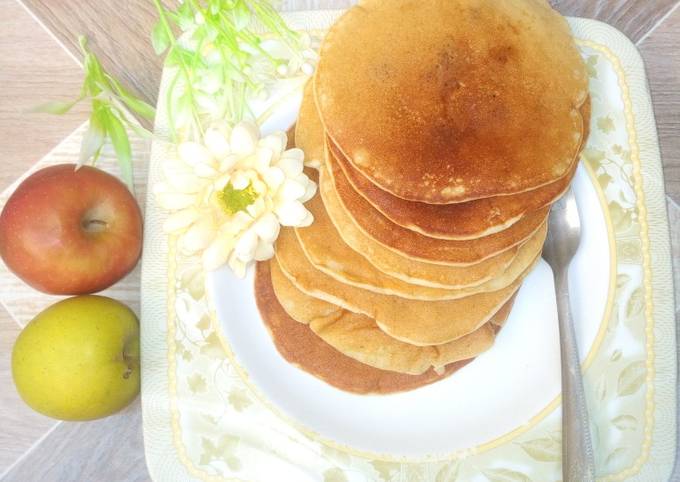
(173,200)
(291,213)
(274,177)
(194,153)
(228,162)
(217,253)
(291,190)
(291,166)
(199,235)
(237,266)
(244,137)
(180,220)
(267,227)
(276,141)
(263,158)
(307,221)
(310,191)
(216,142)
(264,251)
(245,246)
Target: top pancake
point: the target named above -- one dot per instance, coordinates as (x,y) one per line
(466,220)
(445,102)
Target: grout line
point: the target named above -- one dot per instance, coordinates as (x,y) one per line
(672,202)
(23,456)
(657,24)
(50,33)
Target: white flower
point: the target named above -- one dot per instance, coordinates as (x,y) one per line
(230,194)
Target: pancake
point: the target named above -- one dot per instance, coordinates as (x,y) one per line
(359,337)
(411,321)
(451,101)
(327,251)
(302,348)
(423,248)
(405,269)
(468,220)
(309,133)
(460,221)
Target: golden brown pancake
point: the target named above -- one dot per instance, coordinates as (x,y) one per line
(409,270)
(506,217)
(450,101)
(301,347)
(417,246)
(359,337)
(411,321)
(309,133)
(327,251)
(473,219)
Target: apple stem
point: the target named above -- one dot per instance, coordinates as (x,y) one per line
(94,225)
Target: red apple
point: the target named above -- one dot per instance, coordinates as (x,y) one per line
(69,232)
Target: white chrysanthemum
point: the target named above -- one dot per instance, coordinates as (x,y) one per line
(230,195)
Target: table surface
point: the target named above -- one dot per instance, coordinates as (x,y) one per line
(39,61)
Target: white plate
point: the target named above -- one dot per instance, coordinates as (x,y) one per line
(220,404)
(499,391)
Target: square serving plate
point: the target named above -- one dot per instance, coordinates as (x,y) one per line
(207,417)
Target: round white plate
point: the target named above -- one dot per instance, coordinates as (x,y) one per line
(498,392)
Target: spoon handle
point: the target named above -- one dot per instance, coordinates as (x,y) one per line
(577,450)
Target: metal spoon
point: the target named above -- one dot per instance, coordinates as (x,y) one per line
(564,234)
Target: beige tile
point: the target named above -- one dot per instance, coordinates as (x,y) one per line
(110,449)
(33,69)
(21,427)
(633,17)
(662,58)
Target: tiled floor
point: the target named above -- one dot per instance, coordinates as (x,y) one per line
(34,68)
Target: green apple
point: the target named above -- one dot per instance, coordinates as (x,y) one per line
(79,359)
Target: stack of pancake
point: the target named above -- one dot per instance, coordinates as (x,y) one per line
(442,131)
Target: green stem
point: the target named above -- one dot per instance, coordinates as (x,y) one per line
(182,64)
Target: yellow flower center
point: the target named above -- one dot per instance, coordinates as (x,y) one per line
(235,200)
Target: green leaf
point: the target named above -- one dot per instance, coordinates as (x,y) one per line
(121,145)
(334,475)
(631,378)
(132,102)
(236,200)
(505,475)
(56,107)
(185,16)
(93,140)
(241,15)
(543,449)
(625,422)
(160,40)
(138,129)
